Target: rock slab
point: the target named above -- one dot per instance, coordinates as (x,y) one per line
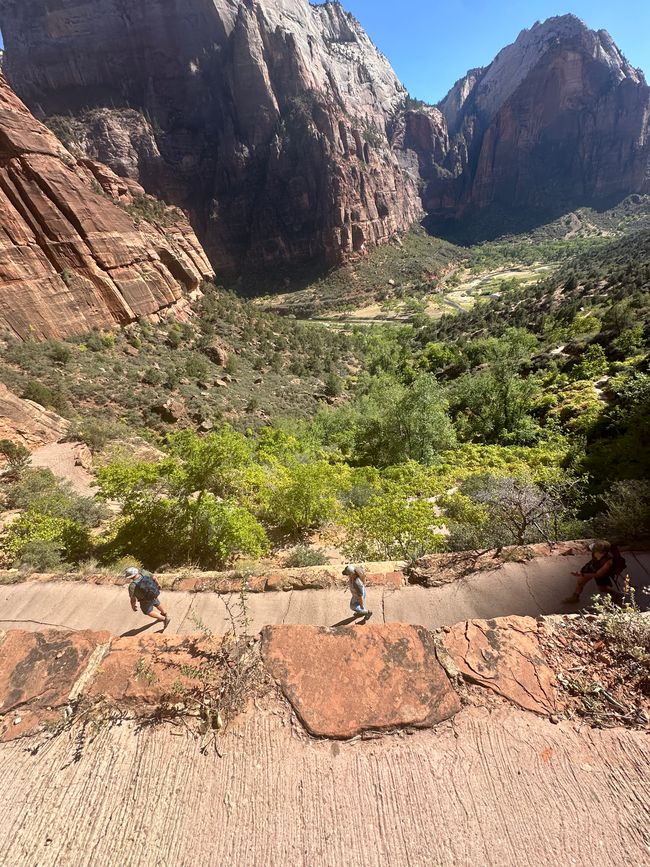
(38,673)
(505,656)
(342,682)
(71,258)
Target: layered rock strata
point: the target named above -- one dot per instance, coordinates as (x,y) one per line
(559,120)
(72,259)
(266,119)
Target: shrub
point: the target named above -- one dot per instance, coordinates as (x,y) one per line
(67,536)
(38,490)
(50,398)
(627,511)
(303,555)
(17,455)
(204,531)
(592,365)
(392,528)
(506,511)
(41,555)
(96,433)
(305,496)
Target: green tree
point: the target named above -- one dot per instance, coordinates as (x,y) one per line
(393,528)
(306,495)
(17,455)
(592,365)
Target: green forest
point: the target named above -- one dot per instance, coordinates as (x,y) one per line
(524,419)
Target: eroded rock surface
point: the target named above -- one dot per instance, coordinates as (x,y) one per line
(71,259)
(345,681)
(26,422)
(38,675)
(505,656)
(267,120)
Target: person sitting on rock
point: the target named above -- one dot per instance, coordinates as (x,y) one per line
(602,568)
(145,589)
(355,576)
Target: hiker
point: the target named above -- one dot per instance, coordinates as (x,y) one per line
(355,576)
(605,566)
(145,589)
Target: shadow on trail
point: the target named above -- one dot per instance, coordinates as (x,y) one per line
(133,632)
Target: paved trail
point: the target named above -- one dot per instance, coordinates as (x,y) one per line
(533,588)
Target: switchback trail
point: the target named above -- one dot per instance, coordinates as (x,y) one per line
(533,588)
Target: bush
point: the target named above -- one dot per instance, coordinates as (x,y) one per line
(305,556)
(41,555)
(38,490)
(50,398)
(305,496)
(96,433)
(500,511)
(393,528)
(68,537)
(627,511)
(204,532)
(17,455)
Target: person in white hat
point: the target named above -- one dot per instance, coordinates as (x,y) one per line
(355,576)
(144,589)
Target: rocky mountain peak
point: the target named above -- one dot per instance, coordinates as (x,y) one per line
(485,90)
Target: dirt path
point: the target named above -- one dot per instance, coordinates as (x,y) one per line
(532,588)
(505,789)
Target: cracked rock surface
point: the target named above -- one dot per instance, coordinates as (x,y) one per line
(71,259)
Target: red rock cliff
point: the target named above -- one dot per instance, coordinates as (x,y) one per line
(559,120)
(71,259)
(266,119)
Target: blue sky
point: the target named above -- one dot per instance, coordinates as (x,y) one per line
(432,43)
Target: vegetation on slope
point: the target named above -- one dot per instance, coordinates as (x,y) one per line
(524,419)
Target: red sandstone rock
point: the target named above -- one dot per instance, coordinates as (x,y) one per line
(504,655)
(345,681)
(38,671)
(70,258)
(26,422)
(148,670)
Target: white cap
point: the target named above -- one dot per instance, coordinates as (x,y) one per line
(131,572)
(349,569)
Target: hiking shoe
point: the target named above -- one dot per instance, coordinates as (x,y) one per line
(571,600)
(367,616)
(165,622)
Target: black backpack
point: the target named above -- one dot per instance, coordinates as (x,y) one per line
(146,587)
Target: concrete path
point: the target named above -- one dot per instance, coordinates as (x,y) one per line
(533,588)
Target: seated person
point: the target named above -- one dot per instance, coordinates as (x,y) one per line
(602,567)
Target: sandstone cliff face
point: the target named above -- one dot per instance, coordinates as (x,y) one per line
(559,120)
(71,259)
(266,119)
(28,423)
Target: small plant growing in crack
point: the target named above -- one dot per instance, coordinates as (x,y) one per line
(143,671)
(226,674)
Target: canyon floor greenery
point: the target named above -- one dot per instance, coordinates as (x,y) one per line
(521,416)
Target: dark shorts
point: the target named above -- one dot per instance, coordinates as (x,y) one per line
(148,605)
(603,581)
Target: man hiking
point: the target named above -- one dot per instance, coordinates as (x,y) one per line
(145,589)
(355,576)
(604,567)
